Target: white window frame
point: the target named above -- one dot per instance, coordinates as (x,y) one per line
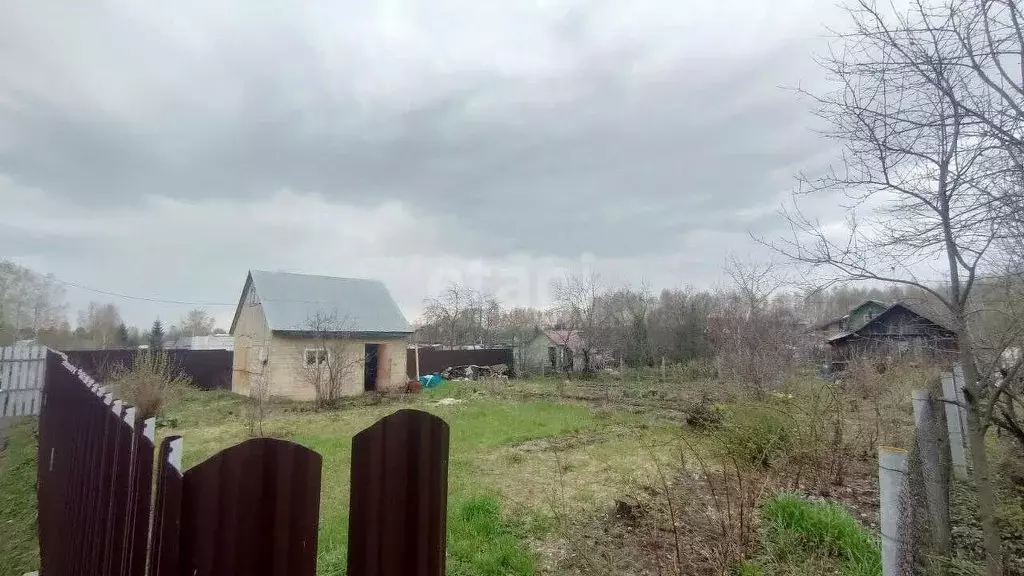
(324,359)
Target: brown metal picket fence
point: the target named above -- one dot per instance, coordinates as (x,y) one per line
(251,509)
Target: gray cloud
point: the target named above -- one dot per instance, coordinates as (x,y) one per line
(549,130)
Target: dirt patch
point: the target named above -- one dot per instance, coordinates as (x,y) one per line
(684,526)
(559,443)
(644,532)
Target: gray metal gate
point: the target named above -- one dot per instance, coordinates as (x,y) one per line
(22,372)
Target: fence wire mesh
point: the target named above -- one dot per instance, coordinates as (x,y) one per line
(923,525)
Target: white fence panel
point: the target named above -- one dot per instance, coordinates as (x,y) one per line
(22,371)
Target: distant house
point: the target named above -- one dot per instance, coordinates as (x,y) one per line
(215,342)
(852,320)
(282,321)
(558,351)
(898,332)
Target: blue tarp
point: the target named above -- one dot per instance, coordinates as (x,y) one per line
(430,380)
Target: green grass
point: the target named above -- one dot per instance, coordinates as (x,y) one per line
(19,552)
(503,469)
(802,536)
(484,543)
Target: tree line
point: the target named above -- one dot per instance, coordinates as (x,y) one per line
(33,307)
(641,326)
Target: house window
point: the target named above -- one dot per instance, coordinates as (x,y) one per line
(315,357)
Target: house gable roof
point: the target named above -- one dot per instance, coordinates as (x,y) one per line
(571,339)
(866,303)
(292,303)
(887,312)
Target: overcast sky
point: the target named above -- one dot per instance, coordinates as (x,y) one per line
(162,151)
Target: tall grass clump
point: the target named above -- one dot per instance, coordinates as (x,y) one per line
(482,543)
(148,382)
(796,527)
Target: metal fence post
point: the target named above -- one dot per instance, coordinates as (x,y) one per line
(892,473)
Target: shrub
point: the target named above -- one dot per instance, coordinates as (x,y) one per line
(756,436)
(704,415)
(698,369)
(148,382)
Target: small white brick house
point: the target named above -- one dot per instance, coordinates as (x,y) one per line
(283,320)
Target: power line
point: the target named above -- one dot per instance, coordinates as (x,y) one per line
(141,298)
(166,301)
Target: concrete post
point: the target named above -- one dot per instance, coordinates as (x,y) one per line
(955,422)
(892,473)
(936,484)
(958,386)
(416,352)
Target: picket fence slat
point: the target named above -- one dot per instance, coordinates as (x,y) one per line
(250,509)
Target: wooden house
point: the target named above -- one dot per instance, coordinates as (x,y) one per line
(896,333)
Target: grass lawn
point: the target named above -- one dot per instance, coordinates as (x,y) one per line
(508,460)
(18,550)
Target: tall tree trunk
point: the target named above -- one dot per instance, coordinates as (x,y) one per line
(979,457)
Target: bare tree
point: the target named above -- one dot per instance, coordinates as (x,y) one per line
(627,315)
(679,325)
(754,283)
(577,298)
(259,397)
(29,303)
(457,314)
(196,323)
(752,339)
(519,326)
(101,322)
(927,129)
(330,358)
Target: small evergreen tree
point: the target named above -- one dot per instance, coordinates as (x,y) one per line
(156,335)
(122,334)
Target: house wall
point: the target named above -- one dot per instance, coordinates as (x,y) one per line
(288,375)
(535,355)
(537,359)
(863,314)
(900,336)
(251,335)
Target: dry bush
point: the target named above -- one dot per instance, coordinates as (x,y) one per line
(256,407)
(686,516)
(880,396)
(699,369)
(148,382)
(703,414)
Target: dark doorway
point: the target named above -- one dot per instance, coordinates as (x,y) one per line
(370,367)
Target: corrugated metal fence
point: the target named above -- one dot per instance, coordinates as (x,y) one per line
(93,479)
(437,359)
(208,369)
(22,371)
(252,509)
